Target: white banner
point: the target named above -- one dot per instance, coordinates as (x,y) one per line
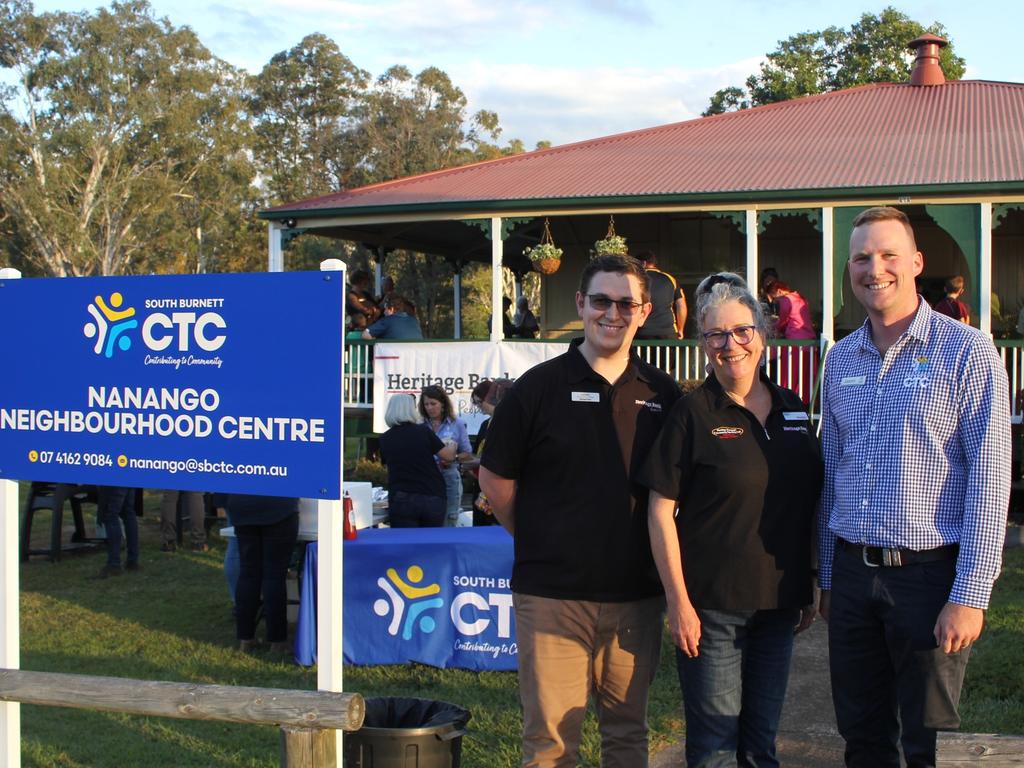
(455,366)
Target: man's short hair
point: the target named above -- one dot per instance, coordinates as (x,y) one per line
(886,213)
(397,303)
(619,264)
(954,284)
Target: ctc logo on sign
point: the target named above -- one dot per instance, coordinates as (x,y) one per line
(160,331)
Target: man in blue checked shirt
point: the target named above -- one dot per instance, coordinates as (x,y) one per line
(916,442)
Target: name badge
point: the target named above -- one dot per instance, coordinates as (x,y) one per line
(794,416)
(586,397)
(853,381)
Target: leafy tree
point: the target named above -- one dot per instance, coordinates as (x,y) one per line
(417,124)
(303,102)
(874,50)
(122,134)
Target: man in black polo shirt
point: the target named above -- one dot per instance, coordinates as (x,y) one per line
(561,452)
(668,303)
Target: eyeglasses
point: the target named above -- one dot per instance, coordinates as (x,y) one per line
(743,334)
(722,277)
(603,303)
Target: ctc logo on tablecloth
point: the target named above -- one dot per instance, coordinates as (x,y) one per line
(408,602)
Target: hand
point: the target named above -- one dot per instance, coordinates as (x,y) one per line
(807,614)
(957,627)
(684,625)
(824,601)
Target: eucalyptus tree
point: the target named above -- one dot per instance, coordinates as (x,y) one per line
(121,133)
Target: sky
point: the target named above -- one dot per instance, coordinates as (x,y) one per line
(569,70)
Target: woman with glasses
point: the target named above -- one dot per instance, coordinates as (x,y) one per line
(436,409)
(734,476)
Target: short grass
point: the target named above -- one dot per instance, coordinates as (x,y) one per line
(172,622)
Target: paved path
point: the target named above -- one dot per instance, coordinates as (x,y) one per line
(808,737)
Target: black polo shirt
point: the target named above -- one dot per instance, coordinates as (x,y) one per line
(572,441)
(747,496)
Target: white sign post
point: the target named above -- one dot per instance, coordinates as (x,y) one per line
(10,633)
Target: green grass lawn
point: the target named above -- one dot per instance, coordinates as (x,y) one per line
(172,621)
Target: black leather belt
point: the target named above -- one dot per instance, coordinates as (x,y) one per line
(884,557)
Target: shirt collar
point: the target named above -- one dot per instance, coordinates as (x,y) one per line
(579,368)
(722,400)
(919,327)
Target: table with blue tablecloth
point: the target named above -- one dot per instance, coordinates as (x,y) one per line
(438,596)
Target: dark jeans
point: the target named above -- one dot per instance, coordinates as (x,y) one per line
(886,666)
(264,552)
(117,506)
(415,510)
(733,690)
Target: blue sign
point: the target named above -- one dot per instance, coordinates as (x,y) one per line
(437,596)
(191,382)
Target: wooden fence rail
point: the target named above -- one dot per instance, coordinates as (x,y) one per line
(305,717)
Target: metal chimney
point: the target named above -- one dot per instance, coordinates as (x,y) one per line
(927,70)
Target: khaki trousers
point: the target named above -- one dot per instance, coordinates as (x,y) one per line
(570,651)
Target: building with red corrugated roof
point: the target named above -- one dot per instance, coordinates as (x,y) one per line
(775,185)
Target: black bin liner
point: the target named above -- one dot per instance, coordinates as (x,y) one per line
(400,732)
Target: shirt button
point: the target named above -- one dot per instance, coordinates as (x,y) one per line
(872,427)
(867,465)
(864,503)
(878,391)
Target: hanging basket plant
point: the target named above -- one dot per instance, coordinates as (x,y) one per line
(612,244)
(546,257)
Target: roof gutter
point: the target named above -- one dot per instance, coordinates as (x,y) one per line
(742,199)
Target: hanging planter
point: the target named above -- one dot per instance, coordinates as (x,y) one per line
(612,244)
(545,256)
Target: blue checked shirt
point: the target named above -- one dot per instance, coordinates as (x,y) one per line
(917,448)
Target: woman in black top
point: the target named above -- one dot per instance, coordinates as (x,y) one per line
(739,458)
(416,489)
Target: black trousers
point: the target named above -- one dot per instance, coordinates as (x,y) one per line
(887,669)
(263,553)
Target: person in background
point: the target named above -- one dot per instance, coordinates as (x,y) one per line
(437,411)
(915,433)
(266,528)
(359,299)
(562,451)
(417,497)
(523,321)
(950,304)
(398,323)
(486,395)
(196,508)
(117,506)
(668,303)
(739,461)
(793,322)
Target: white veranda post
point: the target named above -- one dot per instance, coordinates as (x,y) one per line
(329,587)
(497,254)
(10,635)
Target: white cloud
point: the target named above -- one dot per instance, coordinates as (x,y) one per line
(565,105)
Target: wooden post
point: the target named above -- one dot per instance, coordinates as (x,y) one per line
(308,748)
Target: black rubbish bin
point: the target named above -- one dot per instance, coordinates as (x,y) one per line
(407,733)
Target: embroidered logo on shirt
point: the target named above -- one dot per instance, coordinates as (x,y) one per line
(920,376)
(795,429)
(727,433)
(656,407)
